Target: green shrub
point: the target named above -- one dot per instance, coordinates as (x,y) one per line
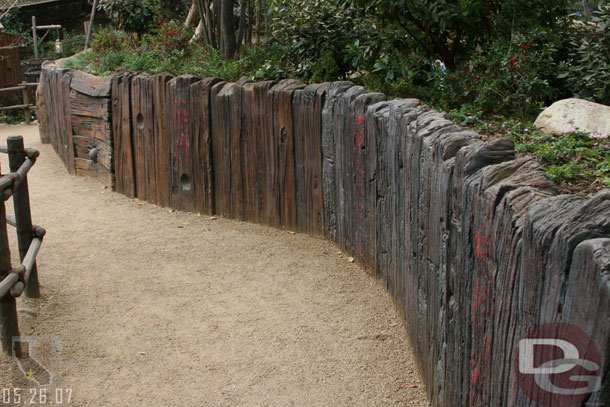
(132,16)
(587,67)
(314,36)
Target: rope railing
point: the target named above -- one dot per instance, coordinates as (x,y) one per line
(24,277)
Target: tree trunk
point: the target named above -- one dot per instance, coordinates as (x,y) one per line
(227,31)
(193,15)
(242,22)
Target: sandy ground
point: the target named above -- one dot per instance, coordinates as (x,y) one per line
(161,308)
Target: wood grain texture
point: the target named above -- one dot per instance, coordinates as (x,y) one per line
(180,131)
(142,125)
(203,169)
(307,117)
(92,127)
(94,86)
(83,145)
(329,159)
(360,183)
(262,135)
(221,98)
(124,170)
(84,105)
(283,143)
(161,138)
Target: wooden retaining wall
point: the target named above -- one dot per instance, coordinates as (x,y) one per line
(474,245)
(79,120)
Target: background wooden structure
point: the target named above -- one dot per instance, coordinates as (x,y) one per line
(474,245)
(10,60)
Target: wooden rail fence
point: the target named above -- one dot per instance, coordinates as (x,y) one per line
(23,278)
(26,106)
(475,245)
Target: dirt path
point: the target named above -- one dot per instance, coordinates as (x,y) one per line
(160,308)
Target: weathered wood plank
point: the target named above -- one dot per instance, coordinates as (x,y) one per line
(250,133)
(203,170)
(238,163)
(283,136)
(84,105)
(264,157)
(83,145)
(229,165)
(95,86)
(329,170)
(361,183)
(161,139)
(66,125)
(307,117)
(220,160)
(344,165)
(92,127)
(299,107)
(179,126)
(121,129)
(142,125)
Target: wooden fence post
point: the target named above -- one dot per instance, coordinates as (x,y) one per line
(9,326)
(23,217)
(26,102)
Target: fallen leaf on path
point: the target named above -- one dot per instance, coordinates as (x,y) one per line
(394,324)
(351,259)
(411,386)
(213,217)
(142,353)
(171,210)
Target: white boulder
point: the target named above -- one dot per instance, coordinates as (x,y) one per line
(568,115)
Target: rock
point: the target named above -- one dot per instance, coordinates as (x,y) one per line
(568,115)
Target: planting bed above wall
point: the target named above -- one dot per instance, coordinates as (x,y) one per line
(474,245)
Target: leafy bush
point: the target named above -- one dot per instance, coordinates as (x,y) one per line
(314,36)
(587,68)
(514,76)
(133,16)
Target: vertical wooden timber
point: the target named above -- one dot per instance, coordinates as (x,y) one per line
(361,181)
(221,99)
(179,125)
(142,124)
(221,203)
(237,152)
(203,169)
(251,134)
(161,139)
(329,159)
(283,145)
(125,181)
(375,123)
(261,125)
(307,112)
(48,77)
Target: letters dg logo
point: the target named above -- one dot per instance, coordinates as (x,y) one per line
(558,365)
